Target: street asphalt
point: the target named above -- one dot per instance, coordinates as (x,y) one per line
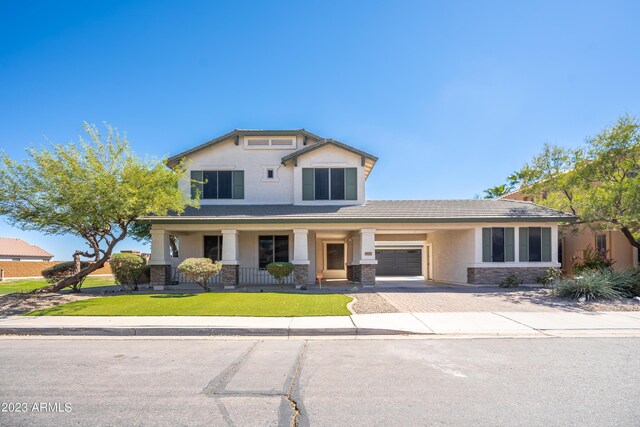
(320,382)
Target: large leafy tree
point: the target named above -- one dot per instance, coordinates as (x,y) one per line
(599,182)
(498,191)
(95,189)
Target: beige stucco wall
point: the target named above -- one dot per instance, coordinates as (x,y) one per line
(452,252)
(576,240)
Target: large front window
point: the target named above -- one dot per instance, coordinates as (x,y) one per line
(498,244)
(272,249)
(535,244)
(213,247)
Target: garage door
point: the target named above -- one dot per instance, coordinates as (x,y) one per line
(399,262)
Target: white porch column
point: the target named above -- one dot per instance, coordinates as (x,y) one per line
(300,257)
(300,246)
(159,247)
(368,246)
(366,270)
(160,259)
(230,247)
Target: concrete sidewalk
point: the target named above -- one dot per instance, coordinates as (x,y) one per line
(449,324)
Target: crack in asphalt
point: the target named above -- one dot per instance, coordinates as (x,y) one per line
(216,387)
(293,385)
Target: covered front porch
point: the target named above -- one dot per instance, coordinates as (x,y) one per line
(475,253)
(244,253)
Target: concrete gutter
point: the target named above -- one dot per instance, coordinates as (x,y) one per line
(468,324)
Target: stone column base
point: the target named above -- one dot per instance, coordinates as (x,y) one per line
(494,275)
(368,274)
(229,276)
(300,275)
(350,273)
(160,276)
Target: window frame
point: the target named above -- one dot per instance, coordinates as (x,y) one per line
(232,191)
(275,257)
(219,246)
(331,177)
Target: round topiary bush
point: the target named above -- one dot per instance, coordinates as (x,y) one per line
(280,270)
(63,270)
(126,269)
(200,270)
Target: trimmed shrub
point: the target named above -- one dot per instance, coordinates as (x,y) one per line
(512,281)
(590,285)
(200,270)
(280,270)
(63,270)
(127,269)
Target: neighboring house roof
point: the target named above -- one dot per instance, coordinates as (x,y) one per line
(11,246)
(417,211)
(241,132)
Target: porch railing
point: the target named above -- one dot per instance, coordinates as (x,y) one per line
(260,276)
(178,278)
(246,276)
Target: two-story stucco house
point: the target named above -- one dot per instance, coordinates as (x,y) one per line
(290,195)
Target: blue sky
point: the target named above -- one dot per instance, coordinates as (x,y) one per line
(451,95)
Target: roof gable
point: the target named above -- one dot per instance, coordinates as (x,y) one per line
(368,160)
(235,135)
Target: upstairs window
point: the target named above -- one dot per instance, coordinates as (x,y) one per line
(211,185)
(263,142)
(329,184)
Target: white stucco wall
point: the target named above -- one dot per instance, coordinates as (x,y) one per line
(286,187)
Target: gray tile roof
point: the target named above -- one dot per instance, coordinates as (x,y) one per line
(376,211)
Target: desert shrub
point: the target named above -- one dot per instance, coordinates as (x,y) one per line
(280,270)
(511,281)
(590,285)
(61,271)
(200,270)
(551,276)
(592,260)
(635,286)
(622,281)
(126,269)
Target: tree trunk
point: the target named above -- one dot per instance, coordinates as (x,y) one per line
(77,277)
(629,236)
(80,275)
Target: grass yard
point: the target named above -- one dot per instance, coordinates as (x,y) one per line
(260,304)
(27,285)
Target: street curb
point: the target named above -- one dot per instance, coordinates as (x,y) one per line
(199,331)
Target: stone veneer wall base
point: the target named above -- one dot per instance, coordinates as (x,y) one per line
(494,275)
(160,276)
(229,276)
(300,275)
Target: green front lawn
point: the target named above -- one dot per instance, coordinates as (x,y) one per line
(260,304)
(27,285)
